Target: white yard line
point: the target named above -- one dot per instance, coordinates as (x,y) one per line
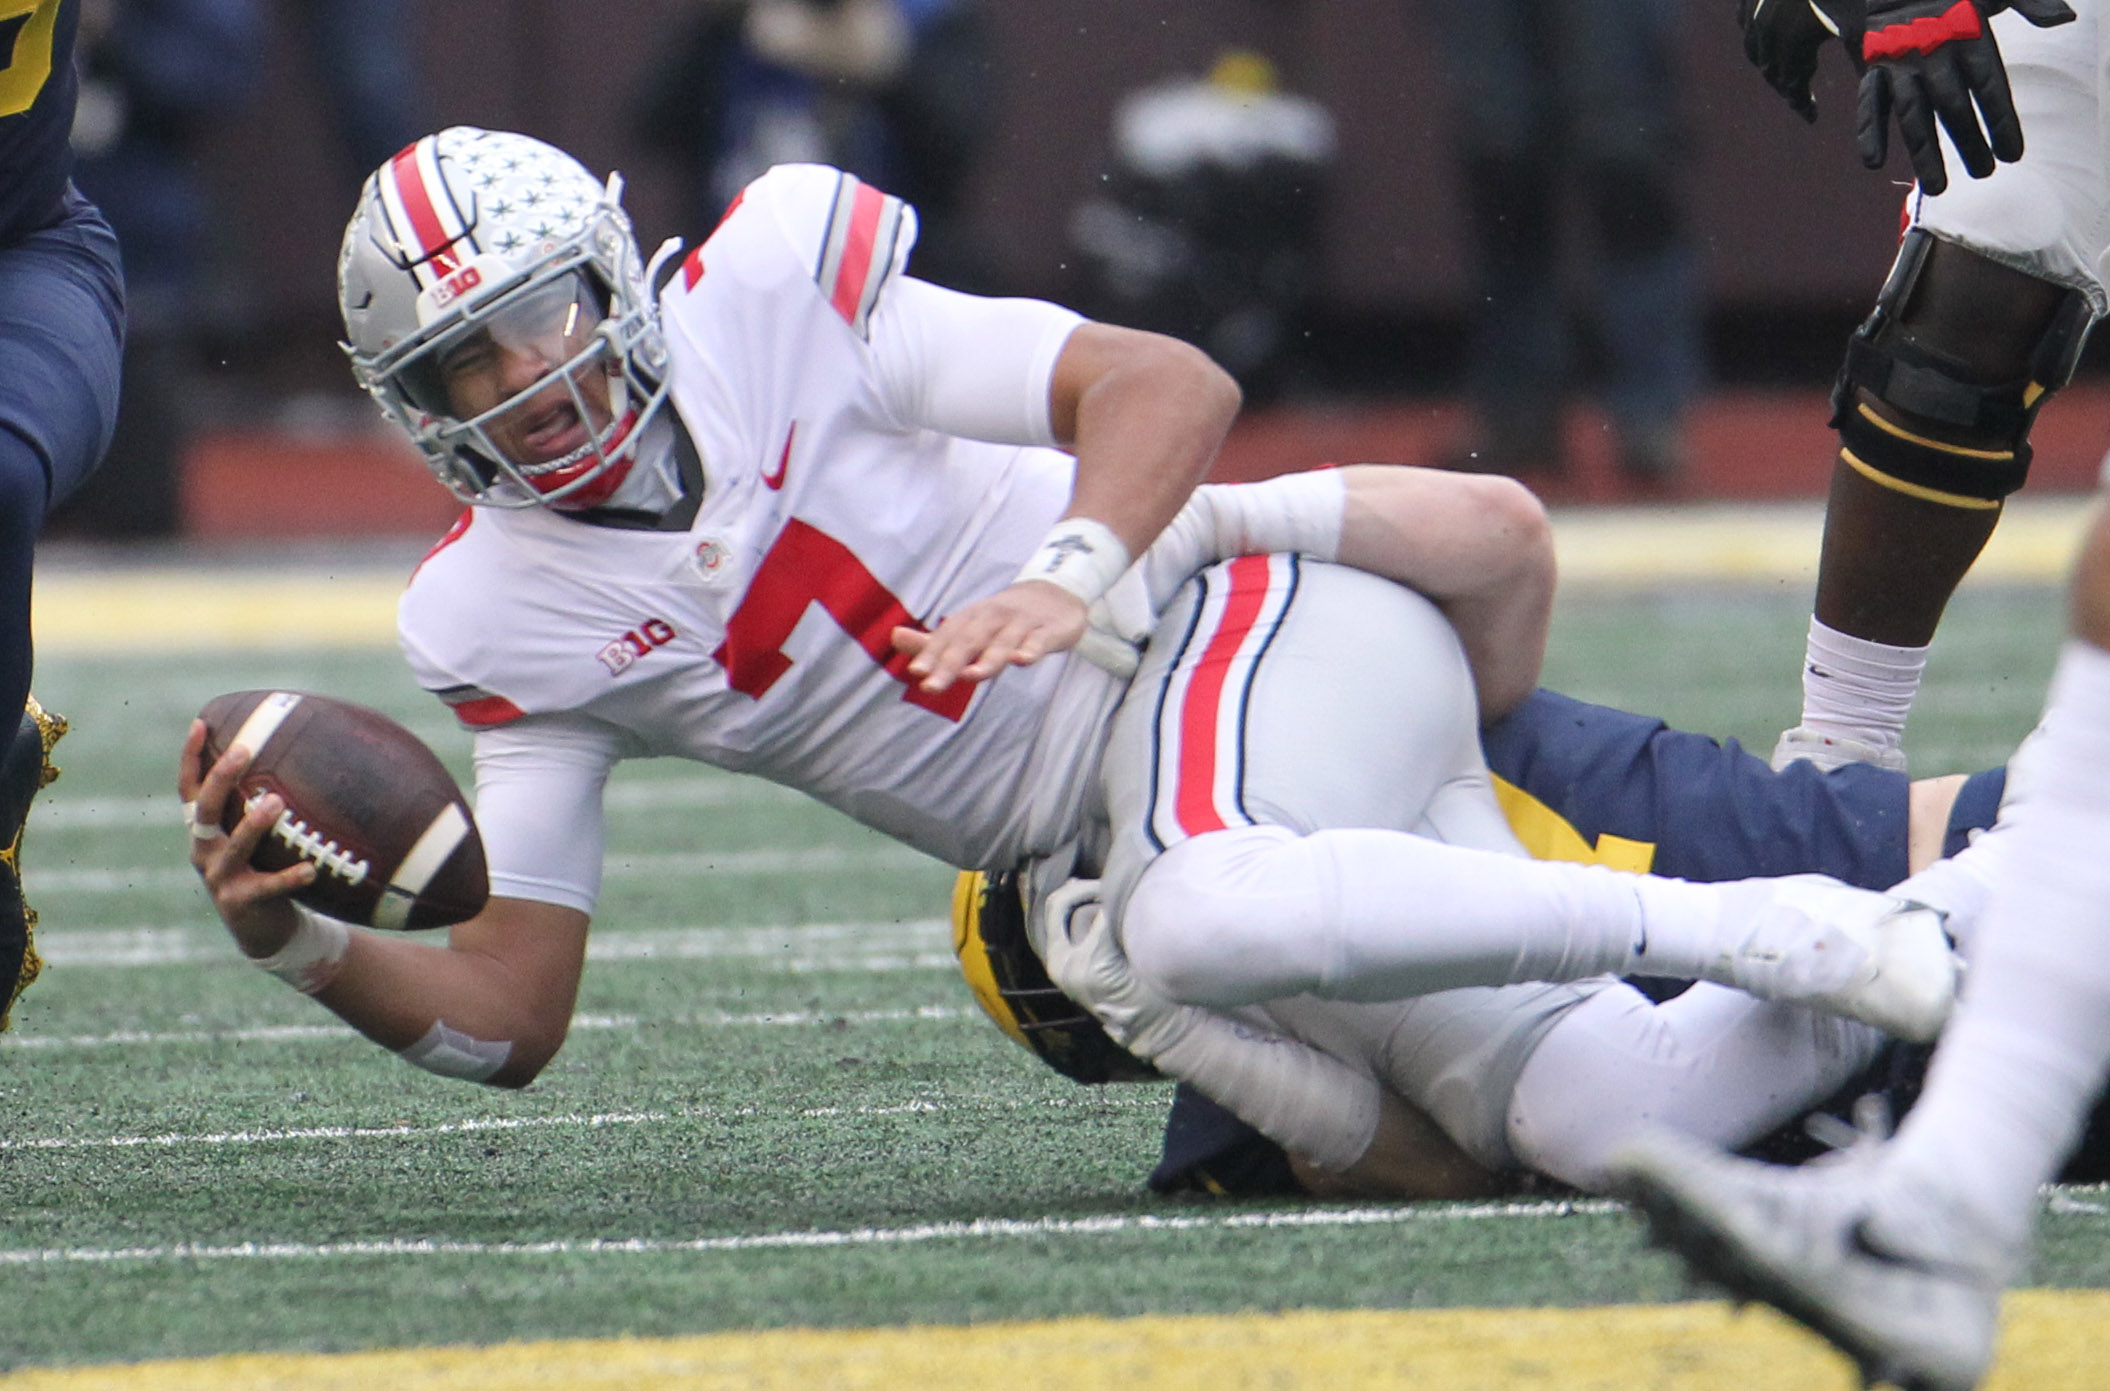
(985,1230)
(341,1033)
(473,1125)
(56,813)
(917,944)
(882,856)
(336,1132)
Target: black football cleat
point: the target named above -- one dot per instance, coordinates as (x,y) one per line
(25,769)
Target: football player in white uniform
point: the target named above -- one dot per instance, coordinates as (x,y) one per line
(1984,315)
(1899,1258)
(709,524)
(1595,1060)
(1899,1255)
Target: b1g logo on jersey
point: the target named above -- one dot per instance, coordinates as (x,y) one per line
(619,656)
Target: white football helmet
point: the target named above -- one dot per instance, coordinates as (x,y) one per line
(472,253)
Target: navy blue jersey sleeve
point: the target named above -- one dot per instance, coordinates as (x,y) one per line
(1689,806)
(1210,1151)
(38,89)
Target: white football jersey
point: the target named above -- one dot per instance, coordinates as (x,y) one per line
(759,639)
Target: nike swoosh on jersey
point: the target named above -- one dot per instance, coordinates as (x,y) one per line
(776,480)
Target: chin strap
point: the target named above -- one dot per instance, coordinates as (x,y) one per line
(667,251)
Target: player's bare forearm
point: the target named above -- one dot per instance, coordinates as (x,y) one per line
(508,976)
(1480,546)
(1145,415)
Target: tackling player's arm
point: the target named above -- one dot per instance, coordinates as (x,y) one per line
(1144,415)
(493,1005)
(1479,545)
(1410,1159)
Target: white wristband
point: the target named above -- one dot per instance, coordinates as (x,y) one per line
(1081,556)
(312,955)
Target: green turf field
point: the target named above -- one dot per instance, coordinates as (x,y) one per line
(779,1107)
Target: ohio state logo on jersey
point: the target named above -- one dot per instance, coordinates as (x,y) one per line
(642,641)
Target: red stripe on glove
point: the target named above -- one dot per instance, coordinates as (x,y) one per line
(1925,34)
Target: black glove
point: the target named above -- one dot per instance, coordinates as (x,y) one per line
(1935,60)
(1782,39)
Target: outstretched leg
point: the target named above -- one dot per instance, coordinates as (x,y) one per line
(1300,806)
(61,336)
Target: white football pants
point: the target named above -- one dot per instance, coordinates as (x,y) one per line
(2048,214)
(1299,804)
(1297,748)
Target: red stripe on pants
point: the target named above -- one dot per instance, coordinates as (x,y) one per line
(1201,713)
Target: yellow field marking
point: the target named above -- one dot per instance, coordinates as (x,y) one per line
(2053,1342)
(174,608)
(2035,541)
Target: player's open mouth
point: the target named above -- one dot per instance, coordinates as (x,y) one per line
(553,431)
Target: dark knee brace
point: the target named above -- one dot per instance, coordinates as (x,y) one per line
(1943,381)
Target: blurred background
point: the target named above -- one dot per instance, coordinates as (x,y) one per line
(1314,189)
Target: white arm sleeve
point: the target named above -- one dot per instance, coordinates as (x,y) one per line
(964,365)
(538,806)
(1961,887)
(1301,1098)
(1298,512)
(1307,1101)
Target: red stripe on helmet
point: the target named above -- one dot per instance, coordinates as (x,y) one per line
(425,225)
(1923,35)
(856,266)
(1201,713)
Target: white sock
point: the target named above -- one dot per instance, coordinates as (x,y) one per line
(2026,1052)
(1856,689)
(1961,887)
(1257,913)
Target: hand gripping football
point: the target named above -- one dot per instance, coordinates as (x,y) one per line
(392,840)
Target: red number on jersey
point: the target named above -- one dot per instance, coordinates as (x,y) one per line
(808,566)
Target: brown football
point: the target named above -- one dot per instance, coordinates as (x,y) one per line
(367,803)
